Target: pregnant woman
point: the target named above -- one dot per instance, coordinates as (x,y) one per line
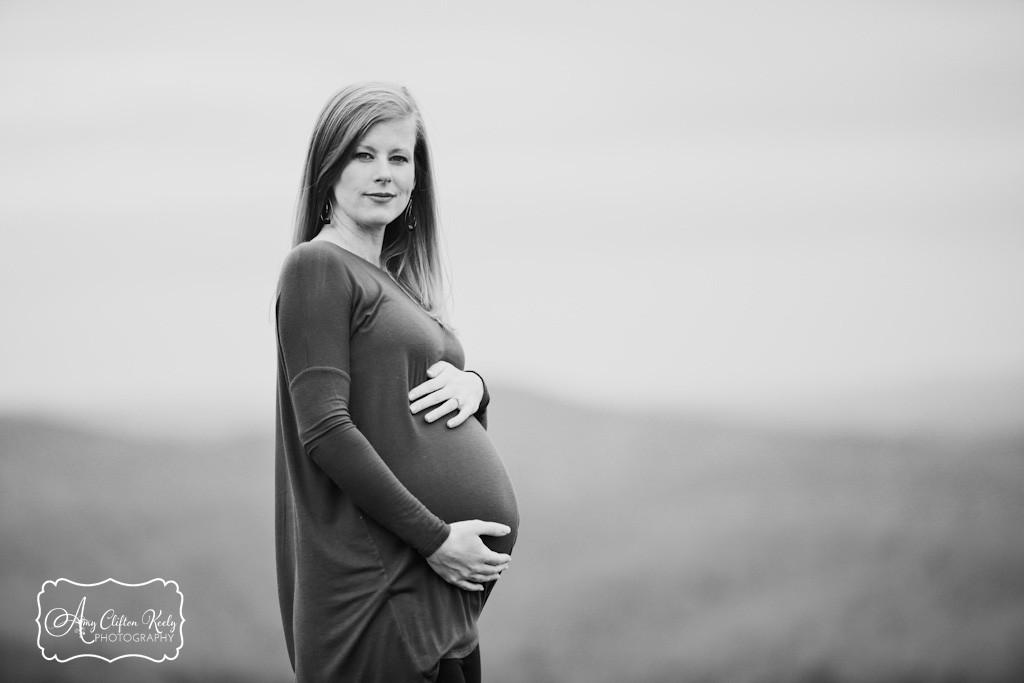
(392,524)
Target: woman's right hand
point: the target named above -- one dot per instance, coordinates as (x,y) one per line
(464,561)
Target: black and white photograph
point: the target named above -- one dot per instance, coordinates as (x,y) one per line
(545,342)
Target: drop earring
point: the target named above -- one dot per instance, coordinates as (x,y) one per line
(410,217)
(325,214)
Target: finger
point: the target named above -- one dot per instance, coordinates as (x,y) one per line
(497,560)
(490,570)
(438,367)
(468,585)
(434,398)
(483,578)
(430,386)
(460,418)
(490,529)
(443,409)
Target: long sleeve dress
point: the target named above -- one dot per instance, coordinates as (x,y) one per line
(365,490)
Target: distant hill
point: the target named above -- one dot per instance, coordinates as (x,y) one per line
(965,407)
(662,548)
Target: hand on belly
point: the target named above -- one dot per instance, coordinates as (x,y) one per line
(450,389)
(464,561)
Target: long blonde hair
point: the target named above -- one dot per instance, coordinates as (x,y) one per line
(412,257)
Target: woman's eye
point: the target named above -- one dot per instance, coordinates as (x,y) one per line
(363,155)
(400,159)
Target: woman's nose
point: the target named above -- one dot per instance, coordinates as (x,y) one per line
(382,173)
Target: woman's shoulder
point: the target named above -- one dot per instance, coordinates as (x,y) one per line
(319,262)
(315,250)
(322,254)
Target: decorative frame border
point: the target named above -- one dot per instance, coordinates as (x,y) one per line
(39,616)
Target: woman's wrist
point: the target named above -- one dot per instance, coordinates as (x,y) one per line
(438,540)
(484,395)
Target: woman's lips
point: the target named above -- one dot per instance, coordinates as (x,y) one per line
(380,196)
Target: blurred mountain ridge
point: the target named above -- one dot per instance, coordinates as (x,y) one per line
(653,547)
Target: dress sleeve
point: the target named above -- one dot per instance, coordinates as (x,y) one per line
(481,412)
(314,311)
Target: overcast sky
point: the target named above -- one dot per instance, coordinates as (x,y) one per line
(716,206)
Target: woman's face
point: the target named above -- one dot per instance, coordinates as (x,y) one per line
(375,185)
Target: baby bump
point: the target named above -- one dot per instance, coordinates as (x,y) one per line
(458,474)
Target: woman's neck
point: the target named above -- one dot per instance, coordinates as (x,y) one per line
(363,243)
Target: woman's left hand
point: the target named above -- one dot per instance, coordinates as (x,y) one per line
(449,389)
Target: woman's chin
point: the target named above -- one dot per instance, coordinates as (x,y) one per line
(373,223)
